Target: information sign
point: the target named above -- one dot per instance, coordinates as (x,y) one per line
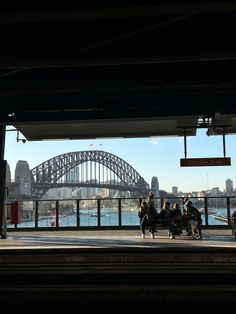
(201,162)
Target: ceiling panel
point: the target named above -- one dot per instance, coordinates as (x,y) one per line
(116,68)
(126,128)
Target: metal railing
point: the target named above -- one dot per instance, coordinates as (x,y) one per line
(107,213)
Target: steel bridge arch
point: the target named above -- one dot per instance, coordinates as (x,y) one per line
(51,171)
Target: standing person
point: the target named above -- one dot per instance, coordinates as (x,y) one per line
(148,215)
(153,214)
(185,201)
(150,199)
(143,216)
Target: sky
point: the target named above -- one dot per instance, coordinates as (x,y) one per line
(156,156)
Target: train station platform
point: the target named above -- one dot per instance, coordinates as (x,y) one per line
(113,239)
(117,270)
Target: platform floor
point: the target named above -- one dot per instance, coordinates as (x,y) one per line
(116,270)
(112,239)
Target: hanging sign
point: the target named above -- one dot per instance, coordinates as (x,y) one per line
(205,162)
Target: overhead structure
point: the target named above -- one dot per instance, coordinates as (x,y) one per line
(103,128)
(118,68)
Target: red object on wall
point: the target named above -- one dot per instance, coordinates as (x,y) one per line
(15,213)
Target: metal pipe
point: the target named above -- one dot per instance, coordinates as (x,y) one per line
(185,143)
(224,151)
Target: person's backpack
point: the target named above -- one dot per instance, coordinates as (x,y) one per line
(195,213)
(152,214)
(143,212)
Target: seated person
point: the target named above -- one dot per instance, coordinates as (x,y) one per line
(166,218)
(233,223)
(165,215)
(175,221)
(233,218)
(176,213)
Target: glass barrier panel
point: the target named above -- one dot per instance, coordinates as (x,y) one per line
(88,213)
(200,205)
(67,214)
(129,212)
(232,205)
(217,211)
(26,215)
(46,213)
(109,212)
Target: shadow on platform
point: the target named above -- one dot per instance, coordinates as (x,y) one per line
(107,271)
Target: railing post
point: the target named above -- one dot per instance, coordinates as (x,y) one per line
(99,212)
(3,228)
(228,211)
(119,212)
(206,210)
(3,165)
(77,213)
(57,213)
(36,214)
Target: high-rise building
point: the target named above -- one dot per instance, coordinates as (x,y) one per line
(229,186)
(22,178)
(155,188)
(8,174)
(175,190)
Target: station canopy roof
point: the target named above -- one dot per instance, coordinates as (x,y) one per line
(119,69)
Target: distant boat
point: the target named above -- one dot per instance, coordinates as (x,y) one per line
(95,215)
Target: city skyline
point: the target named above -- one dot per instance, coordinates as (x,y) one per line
(159,156)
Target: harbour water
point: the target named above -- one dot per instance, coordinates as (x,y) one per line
(109,217)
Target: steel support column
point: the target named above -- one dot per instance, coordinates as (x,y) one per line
(3,167)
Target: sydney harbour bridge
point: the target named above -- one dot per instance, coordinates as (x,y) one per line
(91,168)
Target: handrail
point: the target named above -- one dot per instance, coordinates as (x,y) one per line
(110,213)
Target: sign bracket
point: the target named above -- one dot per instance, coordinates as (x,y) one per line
(212,161)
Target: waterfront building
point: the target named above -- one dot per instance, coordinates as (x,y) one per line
(215,191)
(8,174)
(155,188)
(229,186)
(175,190)
(22,178)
